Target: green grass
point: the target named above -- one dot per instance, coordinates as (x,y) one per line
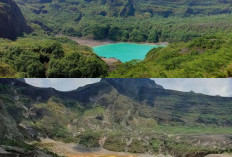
(194,129)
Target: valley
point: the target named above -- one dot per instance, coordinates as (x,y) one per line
(134,116)
(196,33)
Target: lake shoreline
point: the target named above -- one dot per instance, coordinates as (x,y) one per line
(94,43)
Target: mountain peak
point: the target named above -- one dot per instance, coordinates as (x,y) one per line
(141,82)
(131,87)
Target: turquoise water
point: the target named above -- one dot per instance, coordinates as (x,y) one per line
(123,51)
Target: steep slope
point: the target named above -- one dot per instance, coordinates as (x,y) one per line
(12,21)
(131,87)
(165,106)
(130,121)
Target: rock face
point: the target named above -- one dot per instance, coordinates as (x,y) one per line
(12,21)
(132,87)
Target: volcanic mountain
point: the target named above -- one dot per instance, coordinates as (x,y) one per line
(130,113)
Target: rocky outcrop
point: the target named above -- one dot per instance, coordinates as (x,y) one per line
(10,151)
(131,87)
(12,21)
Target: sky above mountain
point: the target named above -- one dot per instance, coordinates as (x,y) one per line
(222,87)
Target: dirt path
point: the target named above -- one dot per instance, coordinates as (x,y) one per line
(72,150)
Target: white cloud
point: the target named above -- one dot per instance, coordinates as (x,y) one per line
(35,82)
(61,83)
(210,86)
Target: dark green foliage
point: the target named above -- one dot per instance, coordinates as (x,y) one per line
(137,36)
(153,37)
(100,32)
(36,69)
(71,32)
(115,33)
(56,57)
(89,139)
(75,65)
(53,48)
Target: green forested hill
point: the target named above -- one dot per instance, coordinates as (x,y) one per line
(130,20)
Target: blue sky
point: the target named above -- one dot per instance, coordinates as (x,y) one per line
(222,87)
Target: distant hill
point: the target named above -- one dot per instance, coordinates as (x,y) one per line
(12,21)
(130,20)
(122,110)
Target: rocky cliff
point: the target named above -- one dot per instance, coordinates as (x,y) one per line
(12,21)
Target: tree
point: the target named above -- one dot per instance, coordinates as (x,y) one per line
(100,32)
(153,36)
(115,33)
(36,70)
(94,68)
(137,36)
(56,69)
(54,48)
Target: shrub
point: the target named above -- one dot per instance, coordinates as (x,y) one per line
(90,139)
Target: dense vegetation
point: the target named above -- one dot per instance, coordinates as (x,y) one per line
(49,57)
(208,56)
(127,20)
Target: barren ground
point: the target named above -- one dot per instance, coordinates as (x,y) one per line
(73,150)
